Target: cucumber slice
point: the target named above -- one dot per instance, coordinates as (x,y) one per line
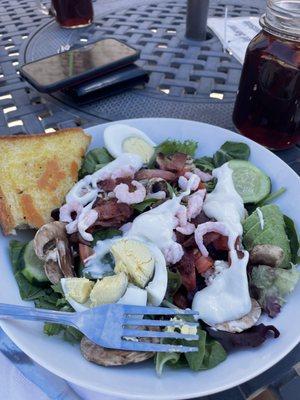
(33,269)
(251,183)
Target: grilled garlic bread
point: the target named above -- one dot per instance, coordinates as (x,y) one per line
(36,172)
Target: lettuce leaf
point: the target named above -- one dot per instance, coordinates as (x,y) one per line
(293,238)
(273,232)
(270,286)
(94,160)
(169,147)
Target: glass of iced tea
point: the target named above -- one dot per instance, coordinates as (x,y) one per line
(267,107)
(73,13)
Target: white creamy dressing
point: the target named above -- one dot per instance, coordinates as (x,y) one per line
(157,225)
(227,297)
(261,218)
(225,204)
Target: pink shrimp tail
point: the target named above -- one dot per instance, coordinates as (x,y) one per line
(202,229)
(124,196)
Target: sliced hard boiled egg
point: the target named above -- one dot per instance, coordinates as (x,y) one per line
(109,289)
(134,296)
(158,286)
(119,138)
(77,289)
(135,259)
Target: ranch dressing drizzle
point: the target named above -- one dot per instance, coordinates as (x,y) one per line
(227,298)
(157,225)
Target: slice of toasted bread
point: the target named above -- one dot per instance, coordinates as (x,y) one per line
(36,172)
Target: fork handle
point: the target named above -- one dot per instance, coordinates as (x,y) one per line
(9,311)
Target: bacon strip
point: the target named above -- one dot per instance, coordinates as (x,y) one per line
(174,163)
(155,173)
(112,214)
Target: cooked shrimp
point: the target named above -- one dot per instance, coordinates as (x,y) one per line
(204,176)
(210,226)
(127,171)
(187,229)
(181,215)
(85,220)
(124,196)
(184,180)
(82,192)
(195,203)
(173,253)
(66,211)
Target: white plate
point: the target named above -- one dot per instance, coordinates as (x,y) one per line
(140,381)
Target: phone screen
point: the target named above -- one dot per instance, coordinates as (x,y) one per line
(72,63)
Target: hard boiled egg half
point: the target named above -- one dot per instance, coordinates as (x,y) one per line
(120,138)
(138,278)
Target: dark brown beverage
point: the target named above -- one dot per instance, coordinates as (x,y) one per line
(267,107)
(73,13)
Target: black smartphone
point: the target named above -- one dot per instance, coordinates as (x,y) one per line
(109,84)
(78,65)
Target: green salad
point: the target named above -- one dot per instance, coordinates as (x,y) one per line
(155,224)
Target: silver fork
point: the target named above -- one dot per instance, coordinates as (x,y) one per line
(114,326)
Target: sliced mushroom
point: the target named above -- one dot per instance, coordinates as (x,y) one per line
(109,357)
(266,254)
(157,188)
(246,322)
(51,245)
(52,271)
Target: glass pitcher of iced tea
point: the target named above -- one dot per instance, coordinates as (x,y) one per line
(73,13)
(267,107)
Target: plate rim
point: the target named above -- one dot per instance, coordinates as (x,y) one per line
(113,392)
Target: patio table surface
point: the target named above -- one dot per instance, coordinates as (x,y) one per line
(183,76)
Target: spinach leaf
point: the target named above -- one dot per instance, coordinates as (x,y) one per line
(230,151)
(105,234)
(69,334)
(195,359)
(94,160)
(214,354)
(163,359)
(174,283)
(27,290)
(206,164)
(210,185)
(293,238)
(210,353)
(169,147)
(141,207)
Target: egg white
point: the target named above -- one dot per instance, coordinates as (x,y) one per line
(115,135)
